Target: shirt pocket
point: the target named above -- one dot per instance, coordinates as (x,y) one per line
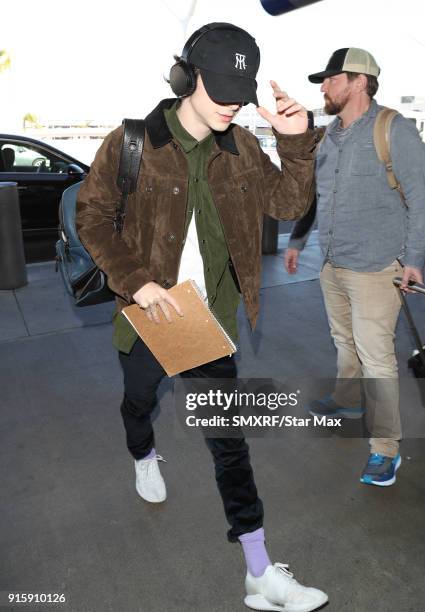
(364,160)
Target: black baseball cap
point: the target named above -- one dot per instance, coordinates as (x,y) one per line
(349,59)
(228,59)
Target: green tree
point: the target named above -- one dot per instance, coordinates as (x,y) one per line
(4,60)
(30,120)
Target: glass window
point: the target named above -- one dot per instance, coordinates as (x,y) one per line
(17,157)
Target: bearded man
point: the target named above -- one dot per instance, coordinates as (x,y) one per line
(367,235)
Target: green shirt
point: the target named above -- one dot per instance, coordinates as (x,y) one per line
(223,297)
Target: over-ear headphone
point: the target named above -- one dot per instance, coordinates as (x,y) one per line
(182,76)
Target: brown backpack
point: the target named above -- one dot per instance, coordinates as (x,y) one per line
(381,140)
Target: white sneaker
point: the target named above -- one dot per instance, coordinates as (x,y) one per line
(278,591)
(149,483)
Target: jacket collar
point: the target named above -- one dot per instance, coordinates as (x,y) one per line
(160,135)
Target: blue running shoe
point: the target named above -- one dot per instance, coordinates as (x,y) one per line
(327,407)
(380,470)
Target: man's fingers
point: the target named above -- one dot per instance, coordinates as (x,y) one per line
(154,312)
(161,300)
(408,275)
(404,281)
(413,275)
(291,260)
(276,88)
(163,305)
(286,103)
(288,107)
(291,264)
(265,114)
(278,93)
(293,110)
(416,276)
(151,313)
(169,298)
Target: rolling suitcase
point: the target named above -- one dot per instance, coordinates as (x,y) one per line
(417,361)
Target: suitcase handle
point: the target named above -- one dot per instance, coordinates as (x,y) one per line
(413,286)
(420,289)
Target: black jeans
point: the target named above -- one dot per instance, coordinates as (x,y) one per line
(233,472)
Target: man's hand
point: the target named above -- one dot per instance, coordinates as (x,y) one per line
(410,274)
(290,118)
(152,295)
(291,260)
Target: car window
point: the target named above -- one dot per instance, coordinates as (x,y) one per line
(17,157)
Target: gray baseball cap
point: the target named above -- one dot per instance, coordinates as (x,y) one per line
(349,59)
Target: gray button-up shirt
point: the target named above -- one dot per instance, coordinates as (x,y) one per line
(363,224)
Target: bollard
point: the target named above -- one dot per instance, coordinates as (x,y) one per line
(270,236)
(13,273)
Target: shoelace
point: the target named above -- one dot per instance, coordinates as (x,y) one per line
(283,567)
(376,459)
(156,458)
(148,465)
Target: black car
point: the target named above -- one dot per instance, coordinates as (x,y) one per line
(42,172)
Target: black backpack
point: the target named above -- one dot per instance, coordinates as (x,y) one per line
(83,280)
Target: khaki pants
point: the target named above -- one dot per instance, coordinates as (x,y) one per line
(362,309)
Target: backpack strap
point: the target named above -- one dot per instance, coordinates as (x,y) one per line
(382,142)
(320,137)
(130,159)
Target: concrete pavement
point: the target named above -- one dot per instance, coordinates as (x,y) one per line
(72,522)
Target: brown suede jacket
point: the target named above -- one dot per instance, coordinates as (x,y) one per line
(244,184)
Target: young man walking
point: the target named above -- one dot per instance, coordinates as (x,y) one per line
(367,235)
(197,213)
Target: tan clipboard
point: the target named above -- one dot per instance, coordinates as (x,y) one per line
(187,342)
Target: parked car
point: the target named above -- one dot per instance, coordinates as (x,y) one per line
(42,172)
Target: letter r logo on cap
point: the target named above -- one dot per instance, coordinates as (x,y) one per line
(240,61)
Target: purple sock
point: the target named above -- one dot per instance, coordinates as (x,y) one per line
(255,552)
(151,455)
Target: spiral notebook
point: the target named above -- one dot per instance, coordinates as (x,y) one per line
(188,341)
